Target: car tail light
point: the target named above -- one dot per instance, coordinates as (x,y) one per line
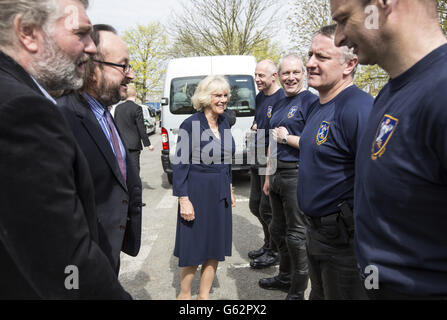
(164,139)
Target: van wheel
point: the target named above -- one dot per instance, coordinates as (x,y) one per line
(169,177)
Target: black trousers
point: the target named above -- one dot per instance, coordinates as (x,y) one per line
(260,206)
(333,270)
(135,156)
(287,229)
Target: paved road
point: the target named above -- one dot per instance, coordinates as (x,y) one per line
(154,273)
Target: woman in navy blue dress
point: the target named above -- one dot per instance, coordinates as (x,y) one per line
(202,181)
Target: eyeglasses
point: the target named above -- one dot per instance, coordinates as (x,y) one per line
(126,67)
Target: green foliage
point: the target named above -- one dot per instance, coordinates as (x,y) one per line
(148,53)
(371,79)
(267,50)
(442,10)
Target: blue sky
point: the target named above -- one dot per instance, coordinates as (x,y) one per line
(127,14)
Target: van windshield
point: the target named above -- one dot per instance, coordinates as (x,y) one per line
(242,99)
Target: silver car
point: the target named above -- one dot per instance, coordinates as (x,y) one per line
(149,120)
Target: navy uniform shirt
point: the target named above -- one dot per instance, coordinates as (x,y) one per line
(264,109)
(328,147)
(291,113)
(401,181)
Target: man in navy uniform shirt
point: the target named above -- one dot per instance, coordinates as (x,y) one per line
(270,92)
(287,227)
(401,166)
(328,146)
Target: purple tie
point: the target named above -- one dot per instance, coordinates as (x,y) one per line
(116,145)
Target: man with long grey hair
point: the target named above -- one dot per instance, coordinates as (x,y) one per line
(48,225)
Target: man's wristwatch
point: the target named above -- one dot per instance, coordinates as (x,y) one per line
(284,140)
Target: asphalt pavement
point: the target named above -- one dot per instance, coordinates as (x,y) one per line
(154,274)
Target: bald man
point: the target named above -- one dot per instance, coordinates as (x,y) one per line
(270,92)
(401,165)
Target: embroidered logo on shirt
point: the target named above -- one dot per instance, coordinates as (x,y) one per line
(323,133)
(269,111)
(384,132)
(292,111)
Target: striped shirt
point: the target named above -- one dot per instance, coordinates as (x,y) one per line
(99,111)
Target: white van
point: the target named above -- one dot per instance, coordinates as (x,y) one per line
(182,77)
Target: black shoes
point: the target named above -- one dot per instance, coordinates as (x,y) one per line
(268,259)
(256,253)
(274,284)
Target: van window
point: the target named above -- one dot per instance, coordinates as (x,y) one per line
(242,99)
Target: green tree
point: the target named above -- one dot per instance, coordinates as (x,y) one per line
(268,49)
(148,50)
(442,9)
(224,27)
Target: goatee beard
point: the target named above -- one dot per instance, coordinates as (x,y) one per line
(108,94)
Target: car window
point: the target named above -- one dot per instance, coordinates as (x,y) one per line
(242,99)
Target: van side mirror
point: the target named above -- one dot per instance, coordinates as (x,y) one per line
(164,101)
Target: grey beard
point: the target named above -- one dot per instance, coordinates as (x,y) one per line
(55,70)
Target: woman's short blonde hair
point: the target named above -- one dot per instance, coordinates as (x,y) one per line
(211,84)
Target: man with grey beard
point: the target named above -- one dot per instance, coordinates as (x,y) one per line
(48,224)
(115,177)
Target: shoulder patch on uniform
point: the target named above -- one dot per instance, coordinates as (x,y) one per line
(383,135)
(292,111)
(323,132)
(269,111)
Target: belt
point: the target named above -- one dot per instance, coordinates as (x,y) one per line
(317,222)
(286,164)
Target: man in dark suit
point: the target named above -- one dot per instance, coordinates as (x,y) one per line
(130,122)
(117,184)
(48,224)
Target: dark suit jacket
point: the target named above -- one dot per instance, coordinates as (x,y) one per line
(47,211)
(130,121)
(118,203)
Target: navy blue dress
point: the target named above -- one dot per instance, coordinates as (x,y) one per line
(202,171)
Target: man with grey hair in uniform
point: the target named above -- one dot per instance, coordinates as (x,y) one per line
(287,225)
(328,146)
(48,225)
